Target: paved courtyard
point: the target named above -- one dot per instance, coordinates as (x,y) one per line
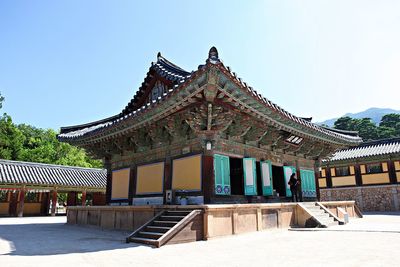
(48,241)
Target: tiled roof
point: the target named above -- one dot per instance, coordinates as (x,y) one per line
(178,75)
(368,149)
(163,68)
(28,173)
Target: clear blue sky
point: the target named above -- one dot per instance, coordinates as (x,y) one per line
(71,62)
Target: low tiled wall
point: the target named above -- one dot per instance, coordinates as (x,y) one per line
(367,198)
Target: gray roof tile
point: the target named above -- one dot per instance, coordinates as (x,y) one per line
(29,173)
(368,149)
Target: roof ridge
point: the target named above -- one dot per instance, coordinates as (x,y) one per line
(160,58)
(283,111)
(16,162)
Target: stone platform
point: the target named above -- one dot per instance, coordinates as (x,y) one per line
(218,220)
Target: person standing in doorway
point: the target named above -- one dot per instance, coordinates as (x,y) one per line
(293,187)
(299,190)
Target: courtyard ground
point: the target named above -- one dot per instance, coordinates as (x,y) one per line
(48,241)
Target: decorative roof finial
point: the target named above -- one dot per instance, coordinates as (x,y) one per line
(158,55)
(213,55)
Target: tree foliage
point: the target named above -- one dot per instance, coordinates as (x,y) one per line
(388,127)
(1,100)
(28,143)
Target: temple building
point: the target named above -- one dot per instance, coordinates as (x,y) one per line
(368,174)
(204,137)
(32,189)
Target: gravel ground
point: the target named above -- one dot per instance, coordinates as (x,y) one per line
(48,241)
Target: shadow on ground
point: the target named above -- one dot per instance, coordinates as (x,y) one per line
(57,238)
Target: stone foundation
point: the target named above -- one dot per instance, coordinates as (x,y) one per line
(217,220)
(367,198)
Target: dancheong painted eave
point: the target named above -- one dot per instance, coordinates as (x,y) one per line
(180,80)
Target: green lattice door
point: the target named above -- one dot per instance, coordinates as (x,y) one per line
(287,171)
(250,176)
(222,175)
(266,175)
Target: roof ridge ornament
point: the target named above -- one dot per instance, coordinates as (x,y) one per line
(213,56)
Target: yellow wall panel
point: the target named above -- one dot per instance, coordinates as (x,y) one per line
(376,178)
(333,172)
(352,171)
(322,182)
(150,178)
(186,173)
(398,176)
(344,180)
(4,208)
(323,172)
(397,165)
(362,169)
(120,184)
(384,166)
(32,208)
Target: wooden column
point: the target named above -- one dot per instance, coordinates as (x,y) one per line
(107,166)
(328,176)
(83,198)
(53,202)
(132,184)
(392,172)
(71,199)
(358,175)
(317,165)
(21,202)
(208,178)
(12,210)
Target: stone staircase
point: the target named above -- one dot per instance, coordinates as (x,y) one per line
(321,217)
(162,227)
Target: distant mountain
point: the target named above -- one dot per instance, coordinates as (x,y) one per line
(374,113)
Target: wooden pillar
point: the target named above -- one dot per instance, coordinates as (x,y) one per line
(328,176)
(168,177)
(53,202)
(21,201)
(358,175)
(12,210)
(83,198)
(208,178)
(71,199)
(132,184)
(392,172)
(107,166)
(317,165)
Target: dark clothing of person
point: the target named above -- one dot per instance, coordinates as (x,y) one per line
(295,197)
(293,188)
(299,191)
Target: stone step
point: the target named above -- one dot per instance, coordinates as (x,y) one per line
(177,213)
(164,223)
(142,240)
(158,229)
(150,235)
(171,217)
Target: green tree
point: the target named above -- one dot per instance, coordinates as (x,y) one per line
(345,123)
(390,120)
(386,132)
(11,139)
(28,143)
(366,129)
(1,100)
